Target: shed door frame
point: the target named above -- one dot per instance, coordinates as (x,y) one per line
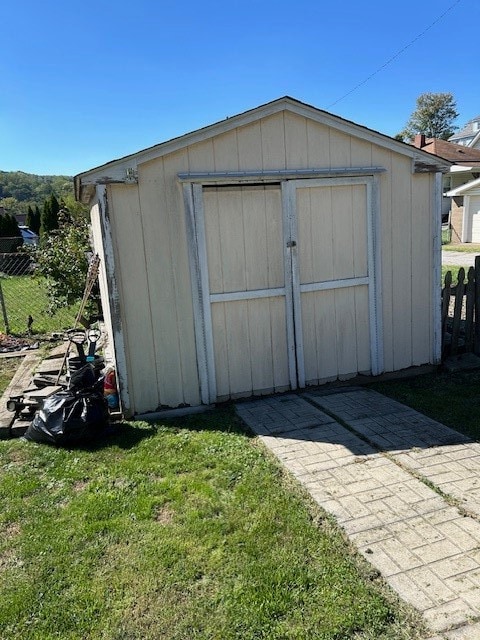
(202,299)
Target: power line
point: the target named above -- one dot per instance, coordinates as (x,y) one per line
(396,55)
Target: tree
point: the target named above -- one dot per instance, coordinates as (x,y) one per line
(36,221)
(433,117)
(62,259)
(29,220)
(11,205)
(49,219)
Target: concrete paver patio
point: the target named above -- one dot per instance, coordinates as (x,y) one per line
(404,488)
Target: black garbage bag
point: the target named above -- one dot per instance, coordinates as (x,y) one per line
(69,418)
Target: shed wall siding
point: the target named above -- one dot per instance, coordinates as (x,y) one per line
(129,246)
(148,223)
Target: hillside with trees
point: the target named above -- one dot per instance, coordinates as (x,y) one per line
(19,190)
(48,205)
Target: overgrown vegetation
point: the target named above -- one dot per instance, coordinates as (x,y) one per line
(62,260)
(179,531)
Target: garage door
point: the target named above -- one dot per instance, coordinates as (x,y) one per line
(285,284)
(474,206)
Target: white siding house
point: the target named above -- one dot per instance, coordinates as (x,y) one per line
(279,248)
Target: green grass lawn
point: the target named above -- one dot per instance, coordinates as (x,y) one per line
(451,398)
(27,295)
(454,270)
(180,531)
(465,248)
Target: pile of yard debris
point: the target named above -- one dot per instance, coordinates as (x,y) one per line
(11,343)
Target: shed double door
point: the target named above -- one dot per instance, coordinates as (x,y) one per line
(287,284)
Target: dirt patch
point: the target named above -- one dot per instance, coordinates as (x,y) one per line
(164,515)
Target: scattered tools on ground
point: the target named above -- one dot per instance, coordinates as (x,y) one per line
(67,402)
(78,392)
(92,276)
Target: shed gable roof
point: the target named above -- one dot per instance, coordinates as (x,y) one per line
(123,169)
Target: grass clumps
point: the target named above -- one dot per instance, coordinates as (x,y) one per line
(186,530)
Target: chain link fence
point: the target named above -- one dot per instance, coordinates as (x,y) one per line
(24,303)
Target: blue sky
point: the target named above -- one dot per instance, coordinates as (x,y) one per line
(83,83)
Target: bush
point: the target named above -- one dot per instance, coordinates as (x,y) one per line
(63,259)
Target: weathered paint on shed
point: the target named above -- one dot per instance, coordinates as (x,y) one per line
(363,210)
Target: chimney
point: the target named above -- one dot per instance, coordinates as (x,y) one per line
(419,140)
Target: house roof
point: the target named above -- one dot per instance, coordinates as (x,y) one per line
(468,131)
(456,153)
(123,170)
(465,188)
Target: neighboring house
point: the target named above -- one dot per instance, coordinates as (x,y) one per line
(278,248)
(465,168)
(469,194)
(469,136)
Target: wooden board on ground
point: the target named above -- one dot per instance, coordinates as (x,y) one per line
(19,382)
(41,394)
(50,366)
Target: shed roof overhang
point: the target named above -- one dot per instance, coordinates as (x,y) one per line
(124,170)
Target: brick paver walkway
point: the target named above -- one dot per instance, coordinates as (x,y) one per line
(375,464)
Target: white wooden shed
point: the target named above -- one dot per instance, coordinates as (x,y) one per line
(279,248)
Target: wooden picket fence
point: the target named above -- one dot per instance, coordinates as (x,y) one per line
(461,312)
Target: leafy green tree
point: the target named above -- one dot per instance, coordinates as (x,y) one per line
(11,205)
(434,117)
(62,260)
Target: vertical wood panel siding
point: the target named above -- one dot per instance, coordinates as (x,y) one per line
(402,262)
(384,158)
(422,233)
(173,328)
(296,141)
(273,142)
(130,258)
(249,140)
(155,280)
(318,145)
